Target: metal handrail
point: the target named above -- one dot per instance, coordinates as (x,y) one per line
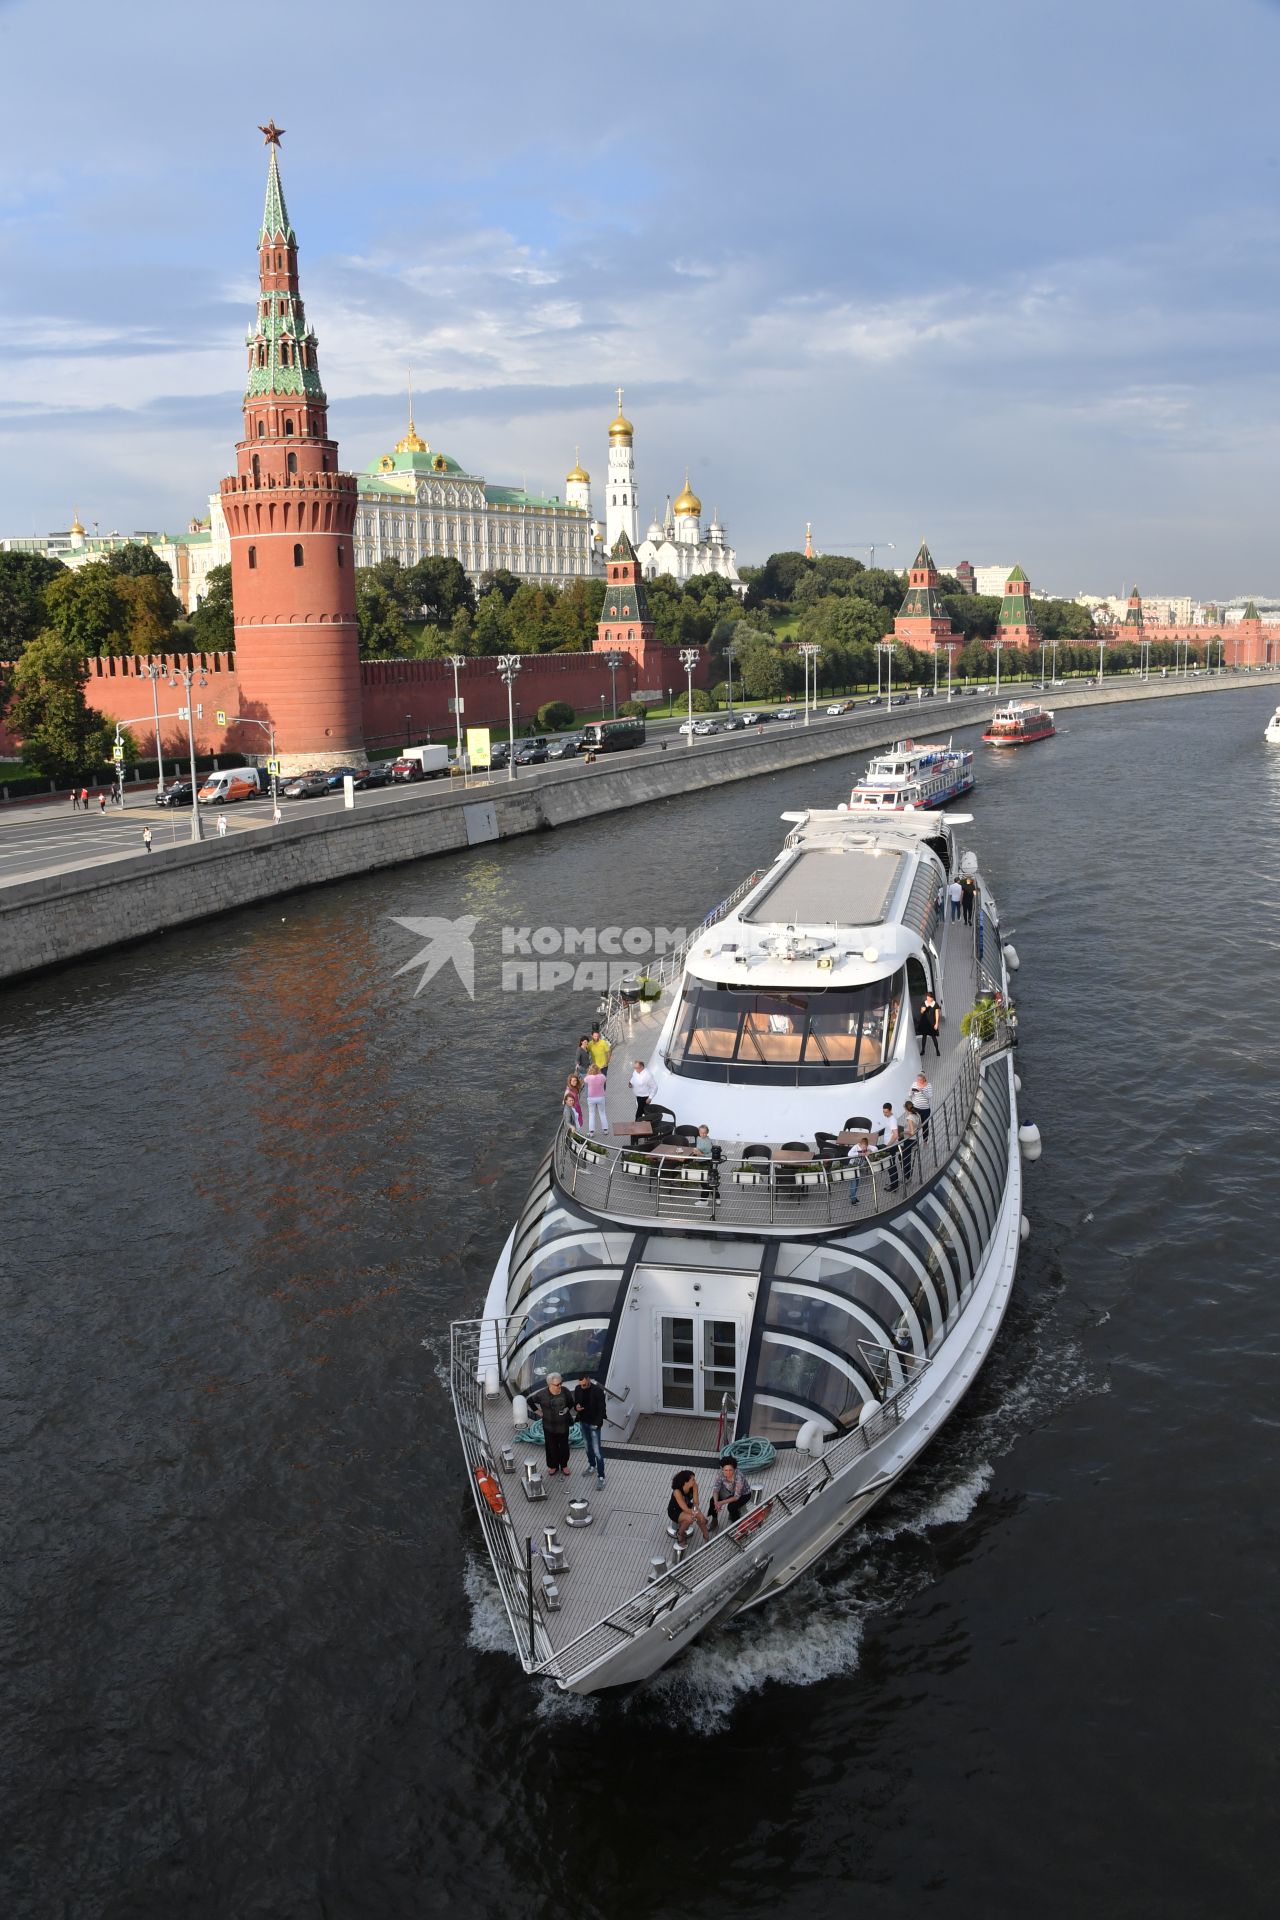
(646,1608)
(592,1172)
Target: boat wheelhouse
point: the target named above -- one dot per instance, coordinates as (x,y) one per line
(913,775)
(1018,724)
(820,1315)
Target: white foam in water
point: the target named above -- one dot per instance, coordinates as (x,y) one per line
(700,1692)
(490,1630)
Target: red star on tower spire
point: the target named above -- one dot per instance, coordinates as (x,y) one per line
(273,134)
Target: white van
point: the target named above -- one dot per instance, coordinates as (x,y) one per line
(233,783)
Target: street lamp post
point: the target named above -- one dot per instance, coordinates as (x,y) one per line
(885,647)
(408,729)
(1102,648)
(730,656)
(509,667)
(952,648)
(613,661)
(998,647)
(187,676)
(689,658)
(809,651)
(153,674)
(457,660)
(1054,675)
(935,669)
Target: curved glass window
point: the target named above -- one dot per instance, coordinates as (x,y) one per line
(567,1350)
(845,1325)
(936,1256)
(952,1199)
(544,1259)
(571,1300)
(856,1279)
(979,1200)
(942,1224)
(789,1370)
(772,1420)
(740,1034)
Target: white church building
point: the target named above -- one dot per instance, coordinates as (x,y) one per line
(674,545)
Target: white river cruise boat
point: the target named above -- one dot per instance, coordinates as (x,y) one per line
(821,1317)
(913,775)
(1271,732)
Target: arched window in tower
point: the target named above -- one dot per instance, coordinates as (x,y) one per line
(292,465)
(253,558)
(262,429)
(342,557)
(257,471)
(297,553)
(288,426)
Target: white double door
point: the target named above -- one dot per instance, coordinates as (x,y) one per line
(698,1361)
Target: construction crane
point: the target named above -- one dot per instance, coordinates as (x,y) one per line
(864,546)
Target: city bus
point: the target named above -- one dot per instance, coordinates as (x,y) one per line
(609,736)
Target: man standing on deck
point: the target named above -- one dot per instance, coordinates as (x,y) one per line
(589,1406)
(969,892)
(644,1086)
(955,894)
(928,1021)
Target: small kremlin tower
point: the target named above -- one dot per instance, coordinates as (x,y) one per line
(922,620)
(1133,612)
(625,625)
(1016,626)
(291,514)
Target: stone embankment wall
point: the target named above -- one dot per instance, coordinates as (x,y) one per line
(47,922)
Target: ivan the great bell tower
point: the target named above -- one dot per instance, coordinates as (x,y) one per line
(291,515)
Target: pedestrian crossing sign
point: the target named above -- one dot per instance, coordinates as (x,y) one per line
(273,766)
(117,752)
(220,717)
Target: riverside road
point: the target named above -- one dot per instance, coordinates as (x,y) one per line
(48,838)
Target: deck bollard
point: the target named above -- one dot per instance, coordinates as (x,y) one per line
(508,1460)
(534,1488)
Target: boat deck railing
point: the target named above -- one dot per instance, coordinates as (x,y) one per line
(714,1570)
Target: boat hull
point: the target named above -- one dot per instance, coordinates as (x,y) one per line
(1017,739)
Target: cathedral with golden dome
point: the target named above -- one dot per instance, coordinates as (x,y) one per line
(675,545)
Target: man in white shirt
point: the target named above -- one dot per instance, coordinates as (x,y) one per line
(955,894)
(922,1101)
(644,1086)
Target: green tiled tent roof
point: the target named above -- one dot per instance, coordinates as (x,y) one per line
(275,214)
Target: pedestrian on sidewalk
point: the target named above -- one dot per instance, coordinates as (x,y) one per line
(146,838)
(75,799)
(84,799)
(102,802)
(222,826)
(276,816)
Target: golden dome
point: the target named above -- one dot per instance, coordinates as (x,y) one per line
(688,501)
(579,475)
(412,442)
(75,524)
(621,429)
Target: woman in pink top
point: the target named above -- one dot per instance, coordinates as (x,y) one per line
(595,1084)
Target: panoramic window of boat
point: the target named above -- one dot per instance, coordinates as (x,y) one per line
(855,1278)
(770,1420)
(937,1257)
(546,1259)
(829,1322)
(816,1034)
(591,1297)
(793,1372)
(567,1350)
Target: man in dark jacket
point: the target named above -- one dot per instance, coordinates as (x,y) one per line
(590,1407)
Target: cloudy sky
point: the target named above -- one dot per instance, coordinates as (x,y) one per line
(1002,273)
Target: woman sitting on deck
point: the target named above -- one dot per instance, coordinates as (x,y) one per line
(683,1509)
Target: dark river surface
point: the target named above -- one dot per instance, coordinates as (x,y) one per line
(252,1666)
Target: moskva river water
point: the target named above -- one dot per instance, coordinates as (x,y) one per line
(252,1664)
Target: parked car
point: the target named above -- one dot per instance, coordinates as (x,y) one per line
(498,751)
(233,783)
(335,776)
(180,794)
(307,786)
(405,770)
(378,775)
(565,748)
(531,753)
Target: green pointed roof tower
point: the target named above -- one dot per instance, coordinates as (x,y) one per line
(1133,613)
(1251,611)
(1015,606)
(922,601)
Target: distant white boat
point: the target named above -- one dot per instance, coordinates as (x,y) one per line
(1272,732)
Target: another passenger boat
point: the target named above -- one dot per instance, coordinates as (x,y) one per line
(1018,724)
(1271,732)
(822,1318)
(913,775)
